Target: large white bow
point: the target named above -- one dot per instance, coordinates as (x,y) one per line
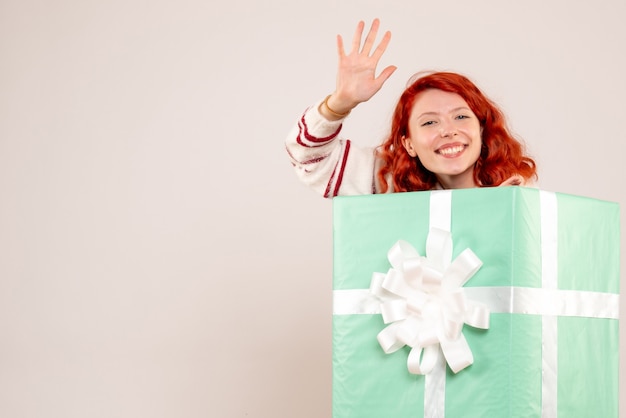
(423,300)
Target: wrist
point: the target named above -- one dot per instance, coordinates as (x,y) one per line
(332,110)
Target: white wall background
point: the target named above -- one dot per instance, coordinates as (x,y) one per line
(158,256)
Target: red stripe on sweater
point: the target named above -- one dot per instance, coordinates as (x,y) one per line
(314,160)
(304,133)
(342,169)
(330,181)
(311,161)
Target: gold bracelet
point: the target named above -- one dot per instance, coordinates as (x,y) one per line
(332,112)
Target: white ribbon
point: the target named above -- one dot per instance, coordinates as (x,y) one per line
(423,300)
(549,323)
(502,299)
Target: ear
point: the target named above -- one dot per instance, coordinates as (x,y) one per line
(408,146)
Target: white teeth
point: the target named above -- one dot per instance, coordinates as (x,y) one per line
(451,150)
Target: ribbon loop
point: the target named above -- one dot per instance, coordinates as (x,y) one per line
(401,251)
(394,310)
(477,315)
(457,353)
(422,360)
(388,340)
(462,269)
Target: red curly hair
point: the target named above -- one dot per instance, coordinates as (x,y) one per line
(501,156)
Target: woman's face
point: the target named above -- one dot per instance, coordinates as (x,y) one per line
(446,136)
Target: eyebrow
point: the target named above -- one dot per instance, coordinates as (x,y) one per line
(456,109)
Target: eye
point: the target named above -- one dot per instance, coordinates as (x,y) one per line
(428,123)
(462,117)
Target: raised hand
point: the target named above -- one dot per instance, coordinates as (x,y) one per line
(357,81)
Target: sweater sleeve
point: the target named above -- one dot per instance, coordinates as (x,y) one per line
(329,164)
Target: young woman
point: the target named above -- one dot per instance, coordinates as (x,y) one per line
(445,134)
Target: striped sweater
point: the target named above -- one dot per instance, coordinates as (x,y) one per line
(328,163)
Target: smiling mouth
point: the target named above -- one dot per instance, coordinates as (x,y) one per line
(451,151)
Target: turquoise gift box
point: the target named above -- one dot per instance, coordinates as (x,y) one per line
(549,276)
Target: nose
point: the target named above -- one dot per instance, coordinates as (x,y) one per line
(447,130)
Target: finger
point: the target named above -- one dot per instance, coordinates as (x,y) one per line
(385,74)
(382,46)
(371,37)
(356,40)
(340,49)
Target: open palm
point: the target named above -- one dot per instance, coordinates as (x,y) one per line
(357,81)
